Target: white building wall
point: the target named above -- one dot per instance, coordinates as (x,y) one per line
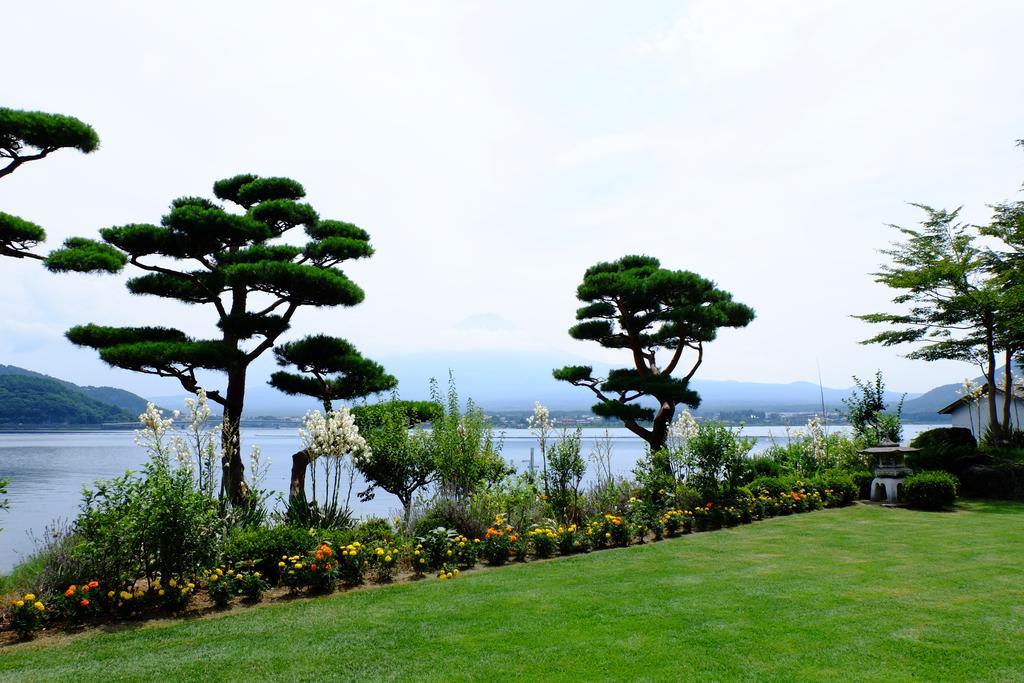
(976,417)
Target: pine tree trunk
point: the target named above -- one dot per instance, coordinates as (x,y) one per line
(297,487)
(231,439)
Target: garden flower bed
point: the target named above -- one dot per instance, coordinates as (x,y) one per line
(441,553)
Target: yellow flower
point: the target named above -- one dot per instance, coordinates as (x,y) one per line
(160,592)
(19,603)
(214,578)
(110,594)
(29,597)
(39,606)
(191,585)
(380,551)
(455,571)
(280,564)
(387,558)
(172,583)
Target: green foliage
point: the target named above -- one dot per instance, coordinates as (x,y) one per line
(266,545)
(866,412)
(153,524)
(81,255)
(401,460)
(941,448)
(930,490)
(44,401)
(464,448)
(565,468)
(43,132)
(718,456)
(515,498)
(18,235)
(332,370)
(634,304)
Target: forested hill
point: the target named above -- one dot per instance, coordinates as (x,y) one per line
(30,398)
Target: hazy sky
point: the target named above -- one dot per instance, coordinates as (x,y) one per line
(495,150)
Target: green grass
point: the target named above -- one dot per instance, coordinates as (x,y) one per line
(863,593)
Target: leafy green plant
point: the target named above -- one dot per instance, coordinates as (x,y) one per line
(463,445)
(251,585)
(565,470)
(941,448)
(717,456)
(930,490)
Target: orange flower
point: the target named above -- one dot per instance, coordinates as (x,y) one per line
(616,521)
(84,602)
(513,538)
(313,567)
(709,505)
(70,591)
(94,584)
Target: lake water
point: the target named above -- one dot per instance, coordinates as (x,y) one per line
(49,469)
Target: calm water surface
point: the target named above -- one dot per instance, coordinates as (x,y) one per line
(49,469)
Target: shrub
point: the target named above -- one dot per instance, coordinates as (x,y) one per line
(464,551)
(942,448)
(383,563)
(497,545)
(718,456)
(374,531)
(862,480)
(565,470)
(220,586)
(79,602)
(930,490)
(571,540)
(266,545)
(152,525)
(544,540)
(251,585)
(996,480)
(515,498)
(436,546)
(677,521)
(838,487)
(351,562)
(608,531)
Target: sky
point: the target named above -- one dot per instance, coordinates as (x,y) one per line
(494,151)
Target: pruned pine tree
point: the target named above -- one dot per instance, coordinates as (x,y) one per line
(236,266)
(635,305)
(328,369)
(29,136)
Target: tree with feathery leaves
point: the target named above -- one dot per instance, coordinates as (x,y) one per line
(233,263)
(28,136)
(329,369)
(636,305)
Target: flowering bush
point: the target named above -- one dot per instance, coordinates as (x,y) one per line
(251,585)
(80,602)
(437,546)
(498,542)
(447,572)
(26,614)
(465,552)
(570,539)
(677,521)
(544,541)
(608,531)
(351,562)
(383,563)
(174,596)
(220,586)
(418,560)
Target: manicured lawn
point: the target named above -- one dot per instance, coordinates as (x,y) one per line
(863,593)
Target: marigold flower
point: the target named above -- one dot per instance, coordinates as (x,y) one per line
(39,606)
(19,603)
(29,597)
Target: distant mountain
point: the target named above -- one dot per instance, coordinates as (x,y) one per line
(28,397)
(28,400)
(930,402)
(512,381)
(125,400)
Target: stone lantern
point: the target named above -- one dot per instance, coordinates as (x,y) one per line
(890,470)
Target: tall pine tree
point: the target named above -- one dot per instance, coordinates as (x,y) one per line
(235,265)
